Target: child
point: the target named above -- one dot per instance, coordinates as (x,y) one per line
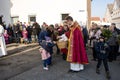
(25,35)
(50,45)
(102,53)
(45,55)
(64,51)
(6,36)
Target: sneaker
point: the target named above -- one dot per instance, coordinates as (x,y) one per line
(45,68)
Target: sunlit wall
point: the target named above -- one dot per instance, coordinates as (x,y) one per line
(49,11)
(5,6)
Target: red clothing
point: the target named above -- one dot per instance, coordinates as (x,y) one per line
(67,34)
(64,50)
(25,34)
(76,49)
(6,36)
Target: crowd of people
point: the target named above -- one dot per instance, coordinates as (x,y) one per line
(22,32)
(76,36)
(96,32)
(105,45)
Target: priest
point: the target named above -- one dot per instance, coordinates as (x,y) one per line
(76,51)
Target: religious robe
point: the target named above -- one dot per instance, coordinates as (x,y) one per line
(76,49)
(2,42)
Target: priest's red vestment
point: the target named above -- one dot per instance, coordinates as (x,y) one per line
(76,49)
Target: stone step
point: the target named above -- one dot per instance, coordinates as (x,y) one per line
(11,45)
(17,48)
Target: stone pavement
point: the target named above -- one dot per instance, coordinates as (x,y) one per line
(20,58)
(59,71)
(16,48)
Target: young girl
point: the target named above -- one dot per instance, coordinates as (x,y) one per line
(25,35)
(6,36)
(45,55)
(50,45)
(102,53)
(63,50)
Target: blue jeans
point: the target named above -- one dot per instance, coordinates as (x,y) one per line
(47,61)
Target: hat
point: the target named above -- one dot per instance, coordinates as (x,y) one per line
(101,36)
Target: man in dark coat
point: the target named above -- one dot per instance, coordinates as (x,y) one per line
(85,35)
(17,33)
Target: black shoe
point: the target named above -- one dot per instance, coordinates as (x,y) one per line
(97,71)
(71,71)
(108,75)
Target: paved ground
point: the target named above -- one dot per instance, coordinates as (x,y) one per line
(27,65)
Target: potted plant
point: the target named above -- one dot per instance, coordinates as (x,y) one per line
(106,33)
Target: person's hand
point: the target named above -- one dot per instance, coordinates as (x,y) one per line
(54,42)
(16,32)
(59,29)
(58,37)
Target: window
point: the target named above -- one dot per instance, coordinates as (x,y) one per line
(32,18)
(64,16)
(15,19)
